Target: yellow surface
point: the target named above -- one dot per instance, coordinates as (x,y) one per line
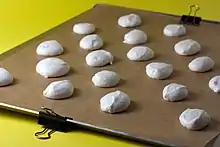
(21,20)
(18,131)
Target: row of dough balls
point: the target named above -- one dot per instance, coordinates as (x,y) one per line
(112,102)
(55,90)
(90,43)
(162,70)
(133,37)
(93,42)
(128,21)
(52,67)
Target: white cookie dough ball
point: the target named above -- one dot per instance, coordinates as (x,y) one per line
(194,119)
(140,53)
(114,102)
(83,28)
(130,20)
(187,47)
(5,77)
(59,90)
(174,30)
(52,67)
(105,79)
(91,42)
(49,48)
(159,70)
(99,58)
(214,84)
(175,92)
(135,37)
(201,64)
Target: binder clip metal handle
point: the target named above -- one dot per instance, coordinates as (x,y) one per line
(51,123)
(191,19)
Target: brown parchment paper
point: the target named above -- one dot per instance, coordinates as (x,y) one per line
(149,116)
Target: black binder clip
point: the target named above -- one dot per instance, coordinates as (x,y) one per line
(191,19)
(52,122)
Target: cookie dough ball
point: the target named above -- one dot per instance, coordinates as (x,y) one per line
(83,28)
(52,67)
(115,102)
(140,53)
(201,64)
(99,58)
(159,70)
(130,20)
(59,90)
(135,37)
(194,119)
(174,30)
(187,47)
(175,92)
(105,79)
(49,48)
(214,84)
(91,42)
(5,77)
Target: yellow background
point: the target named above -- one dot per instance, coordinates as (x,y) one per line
(21,20)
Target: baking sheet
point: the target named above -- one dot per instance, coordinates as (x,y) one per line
(149,116)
